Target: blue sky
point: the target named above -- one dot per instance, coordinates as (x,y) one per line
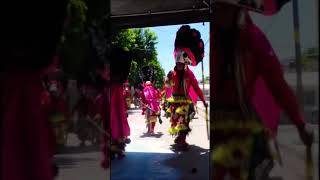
(278,29)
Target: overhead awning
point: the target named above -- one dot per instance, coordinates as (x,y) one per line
(147,13)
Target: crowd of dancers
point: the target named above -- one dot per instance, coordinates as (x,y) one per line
(36,115)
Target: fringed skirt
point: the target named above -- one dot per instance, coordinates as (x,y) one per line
(150,119)
(179,108)
(238,142)
(151,116)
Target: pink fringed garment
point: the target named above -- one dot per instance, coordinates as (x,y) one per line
(271,93)
(25,133)
(266,107)
(151,98)
(193,95)
(168,92)
(119,122)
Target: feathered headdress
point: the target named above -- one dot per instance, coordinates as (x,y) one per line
(147,74)
(120,63)
(188,46)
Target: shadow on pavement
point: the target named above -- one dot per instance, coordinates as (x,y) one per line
(134,109)
(70,162)
(143,166)
(156,135)
(276,178)
(131,112)
(79,149)
(193,163)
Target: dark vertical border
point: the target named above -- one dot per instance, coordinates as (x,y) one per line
(108,41)
(1,122)
(211,89)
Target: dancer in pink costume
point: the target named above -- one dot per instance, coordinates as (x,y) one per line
(150,98)
(151,109)
(103,108)
(119,122)
(249,90)
(120,130)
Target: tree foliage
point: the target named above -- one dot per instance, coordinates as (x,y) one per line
(310,58)
(86,18)
(76,41)
(141,42)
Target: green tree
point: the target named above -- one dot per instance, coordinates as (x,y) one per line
(125,39)
(75,41)
(207,80)
(142,43)
(310,58)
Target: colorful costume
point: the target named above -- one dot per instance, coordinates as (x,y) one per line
(102,104)
(127,94)
(58,114)
(151,108)
(137,97)
(86,110)
(180,103)
(119,123)
(188,50)
(120,130)
(25,131)
(46,106)
(150,97)
(240,141)
(55,107)
(166,93)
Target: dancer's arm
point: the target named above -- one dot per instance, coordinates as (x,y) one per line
(195,85)
(271,71)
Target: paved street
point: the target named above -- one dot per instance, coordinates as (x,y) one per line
(152,157)
(80,163)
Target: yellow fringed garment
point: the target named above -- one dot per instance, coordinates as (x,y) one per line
(152,119)
(175,130)
(180,100)
(227,123)
(182,109)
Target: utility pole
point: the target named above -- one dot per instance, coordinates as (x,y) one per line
(202,76)
(296,25)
